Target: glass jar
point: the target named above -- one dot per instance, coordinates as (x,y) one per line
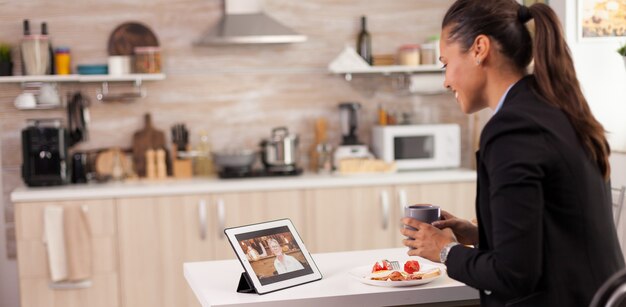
(147,60)
(429,54)
(409,55)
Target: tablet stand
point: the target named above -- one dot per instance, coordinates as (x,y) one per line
(245,284)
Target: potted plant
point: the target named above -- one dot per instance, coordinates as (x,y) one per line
(6,65)
(622,52)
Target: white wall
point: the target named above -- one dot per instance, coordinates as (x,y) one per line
(618,178)
(601,72)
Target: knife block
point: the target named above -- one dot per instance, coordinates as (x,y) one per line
(183,168)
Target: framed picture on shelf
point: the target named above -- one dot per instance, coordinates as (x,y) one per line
(601,20)
(531,2)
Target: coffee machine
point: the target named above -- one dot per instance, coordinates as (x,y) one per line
(350,146)
(44,153)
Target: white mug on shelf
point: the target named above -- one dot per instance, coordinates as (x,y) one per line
(119,65)
(25,100)
(48,95)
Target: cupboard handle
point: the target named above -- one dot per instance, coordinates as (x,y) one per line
(202,217)
(384,204)
(221,218)
(402,201)
(69,285)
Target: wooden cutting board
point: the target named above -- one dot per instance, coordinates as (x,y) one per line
(144,139)
(129,35)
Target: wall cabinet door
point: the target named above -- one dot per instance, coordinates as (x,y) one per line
(351,219)
(156,236)
(237,209)
(33,259)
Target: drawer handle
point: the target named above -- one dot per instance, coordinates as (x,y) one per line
(221,218)
(68,285)
(384,204)
(402,201)
(202,218)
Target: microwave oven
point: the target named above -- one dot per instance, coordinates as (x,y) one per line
(415,147)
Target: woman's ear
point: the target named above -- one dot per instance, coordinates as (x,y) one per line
(480,49)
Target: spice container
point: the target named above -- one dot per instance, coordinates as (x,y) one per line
(62,61)
(429,54)
(147,60)
(409,55)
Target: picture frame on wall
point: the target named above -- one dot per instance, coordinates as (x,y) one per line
(601,20)
(531,2)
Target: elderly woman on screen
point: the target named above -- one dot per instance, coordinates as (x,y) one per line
(283,263)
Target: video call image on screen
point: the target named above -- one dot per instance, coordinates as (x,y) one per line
(274,254)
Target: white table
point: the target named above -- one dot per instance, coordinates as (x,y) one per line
(215,282)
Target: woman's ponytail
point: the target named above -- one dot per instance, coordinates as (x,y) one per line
(557,83)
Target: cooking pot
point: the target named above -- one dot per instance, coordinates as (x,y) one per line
(280,150)
(234,159)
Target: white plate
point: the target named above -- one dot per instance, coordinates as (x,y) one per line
(362,274)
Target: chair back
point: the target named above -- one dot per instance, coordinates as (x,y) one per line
(612,293)
(619,195)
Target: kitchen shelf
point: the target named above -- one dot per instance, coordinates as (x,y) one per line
(349,63)
(83,78)
(390,69)
(43,107)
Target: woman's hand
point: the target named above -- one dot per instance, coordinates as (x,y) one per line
(427,240)
(464,230)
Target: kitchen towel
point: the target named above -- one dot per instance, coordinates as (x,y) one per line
(55,242)
(77,244)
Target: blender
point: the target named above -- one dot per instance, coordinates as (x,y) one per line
(350,147)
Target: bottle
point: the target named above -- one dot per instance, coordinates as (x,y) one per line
(382,116)
(364,42)
(203,165)
(44,32)
(26,27)
(62,61)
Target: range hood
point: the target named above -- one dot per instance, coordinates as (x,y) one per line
(244,22)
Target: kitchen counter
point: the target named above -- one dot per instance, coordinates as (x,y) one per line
(214,284)
(141,188)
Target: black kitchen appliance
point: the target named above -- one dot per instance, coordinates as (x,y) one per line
(349,122)
(79,167)
(44,153)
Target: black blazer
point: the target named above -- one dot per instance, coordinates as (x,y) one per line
(546,232)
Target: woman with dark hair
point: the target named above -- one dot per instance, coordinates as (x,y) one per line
(545,233)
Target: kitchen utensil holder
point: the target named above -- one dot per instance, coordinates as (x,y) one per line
(183,168)
(105,95)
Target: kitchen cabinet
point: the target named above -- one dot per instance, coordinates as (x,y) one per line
(457,198)
(140,242)
(158,234)
(351,219)
(236,209)
(369,217)
(35,287)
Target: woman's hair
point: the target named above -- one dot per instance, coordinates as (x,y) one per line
(504,21)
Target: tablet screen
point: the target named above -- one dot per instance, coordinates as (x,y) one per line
(274,254)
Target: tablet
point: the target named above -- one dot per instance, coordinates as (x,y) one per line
(273,255)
